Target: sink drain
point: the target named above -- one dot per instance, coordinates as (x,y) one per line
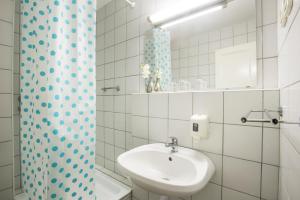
(166,179)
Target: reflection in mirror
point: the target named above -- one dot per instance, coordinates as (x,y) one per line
(210,48)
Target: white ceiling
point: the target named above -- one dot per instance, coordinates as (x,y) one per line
(235,12)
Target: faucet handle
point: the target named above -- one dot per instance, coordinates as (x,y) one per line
(174,140)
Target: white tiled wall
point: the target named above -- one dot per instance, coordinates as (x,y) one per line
(119,49)
(245,155)
(289,82)
(120,32)
(195,58)
(6,98)
(16,92)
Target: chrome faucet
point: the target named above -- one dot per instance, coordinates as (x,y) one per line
(173,144)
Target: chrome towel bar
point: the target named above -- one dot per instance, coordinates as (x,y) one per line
(117,88)
(268,119)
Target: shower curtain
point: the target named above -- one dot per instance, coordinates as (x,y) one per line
(58,98)
(157,54)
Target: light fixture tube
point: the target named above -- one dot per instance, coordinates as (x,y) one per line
(178,9)
(192,16)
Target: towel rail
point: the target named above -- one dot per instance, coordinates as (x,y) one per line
(268,119)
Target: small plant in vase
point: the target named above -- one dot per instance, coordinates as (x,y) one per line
(157,76)
(147,75)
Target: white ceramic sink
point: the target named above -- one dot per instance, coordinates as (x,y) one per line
(154,168)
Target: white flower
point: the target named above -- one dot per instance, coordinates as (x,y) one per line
(145,71)
(158,73)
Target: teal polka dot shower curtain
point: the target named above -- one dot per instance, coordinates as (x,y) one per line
(58,98)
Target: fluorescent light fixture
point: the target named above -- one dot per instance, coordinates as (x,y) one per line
(178,9)
(192,16)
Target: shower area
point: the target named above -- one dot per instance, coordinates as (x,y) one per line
(48,140)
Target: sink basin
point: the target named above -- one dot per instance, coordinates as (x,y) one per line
(154,168)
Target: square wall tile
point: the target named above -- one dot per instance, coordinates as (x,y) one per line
(120,139)
(120,17)
(6,30)
(217,160)
(109,39)
(7,194)
(109,23)
(133,47)
(100,28)
(5,131)
(120,82)
(128,120)
(243,142)
(108,164)
(133,66)
(5,106)
(270,71)
(269,182)
(109,55)
(108,103)
(109,8)
(242,175)
(158,105)
(120,34)
(133,29)
(180,106)
(100,73)
(6,173)
(6,9)
(120,51)
(209,192)
(119,121)
(99,58)
(136,142)
(271,102)
(270,41)
(269,11)
(214,141)
(228,194)
(100,42)
(271,146)
(238,103)
(5,57)
(99,118)
(109,151)
(132,84)
(139,126)
(109,136)
(6,153)
(99,161)
(119,104)
(139,193)
(120,68)
(109,119)
(181,130)
(139,104)
(210,104)
(100,134)
(118,151)
(158,129)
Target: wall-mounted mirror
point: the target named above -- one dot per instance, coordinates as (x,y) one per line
(198,45)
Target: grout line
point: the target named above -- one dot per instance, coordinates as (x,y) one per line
(223,130)
(6,21)
(262,148)
(11,187)
(6,165)
(240,191)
